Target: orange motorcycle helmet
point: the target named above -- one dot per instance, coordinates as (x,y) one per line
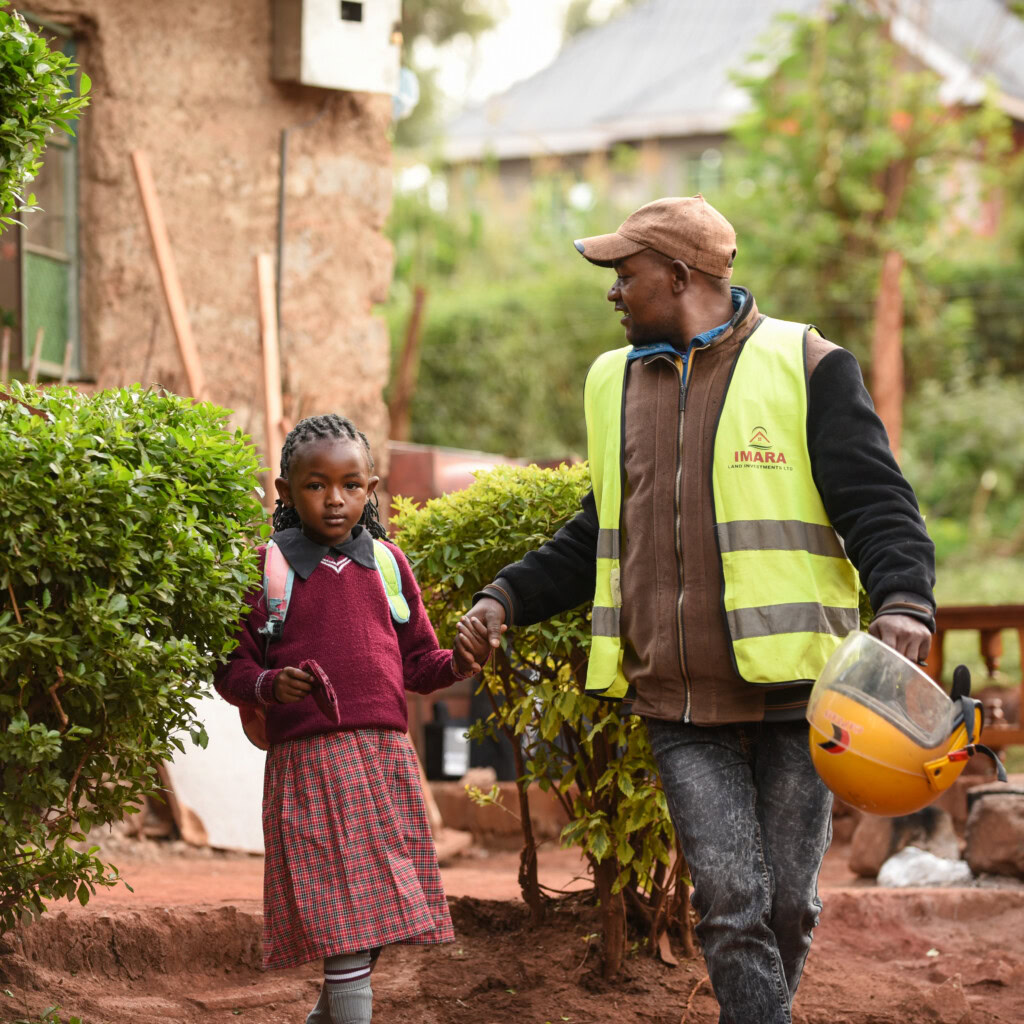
(884,737)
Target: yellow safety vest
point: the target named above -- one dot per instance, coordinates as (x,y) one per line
(791,594)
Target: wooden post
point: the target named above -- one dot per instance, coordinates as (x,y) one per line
(887,385)
(33,366)
(887,350)
(272,402)
(168,274)
(65,371)
(5,356)
(405,378)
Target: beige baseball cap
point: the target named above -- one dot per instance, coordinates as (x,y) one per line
(683,228)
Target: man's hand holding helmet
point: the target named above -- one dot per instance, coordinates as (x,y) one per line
(903,633)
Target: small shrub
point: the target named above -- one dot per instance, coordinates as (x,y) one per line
(122,569)
(596,762)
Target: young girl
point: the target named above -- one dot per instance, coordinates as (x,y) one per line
(350,860)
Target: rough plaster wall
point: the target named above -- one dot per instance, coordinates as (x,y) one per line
(188,82)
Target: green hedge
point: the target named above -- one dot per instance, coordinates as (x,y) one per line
(123,563)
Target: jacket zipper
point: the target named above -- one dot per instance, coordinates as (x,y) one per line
(684,382)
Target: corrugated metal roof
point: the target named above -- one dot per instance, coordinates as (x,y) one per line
(663,68)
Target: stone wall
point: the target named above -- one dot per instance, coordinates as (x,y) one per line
(188,82)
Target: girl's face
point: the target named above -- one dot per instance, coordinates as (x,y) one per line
(328,484)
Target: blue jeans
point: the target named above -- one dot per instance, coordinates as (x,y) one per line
(754,820)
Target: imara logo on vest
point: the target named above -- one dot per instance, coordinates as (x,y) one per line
(759,453)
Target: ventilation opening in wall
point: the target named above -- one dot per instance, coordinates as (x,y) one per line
(351,11)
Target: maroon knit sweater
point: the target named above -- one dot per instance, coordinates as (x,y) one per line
(340,617)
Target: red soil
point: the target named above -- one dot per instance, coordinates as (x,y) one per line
(185,947)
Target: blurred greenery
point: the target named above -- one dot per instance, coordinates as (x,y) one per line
(514,316)
(436,22)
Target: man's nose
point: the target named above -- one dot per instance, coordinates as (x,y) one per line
(613,293)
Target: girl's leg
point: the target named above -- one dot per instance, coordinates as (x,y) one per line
(349,996)
(321,1014)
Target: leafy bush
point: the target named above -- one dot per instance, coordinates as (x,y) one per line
(962,453)
(122,569)
(514,315)
(516,388)
(35,100)
(597,763)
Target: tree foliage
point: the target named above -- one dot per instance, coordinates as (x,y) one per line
(848,152)
(580,15)
(437,22)
(122,570)
(514,316)
(36,99)
(595,760)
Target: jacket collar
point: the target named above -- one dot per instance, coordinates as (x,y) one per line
(744,317)
(304,555)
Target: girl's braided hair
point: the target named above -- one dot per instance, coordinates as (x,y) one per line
(316,428)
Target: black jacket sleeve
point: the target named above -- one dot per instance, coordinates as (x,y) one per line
(558,576)
(870,503)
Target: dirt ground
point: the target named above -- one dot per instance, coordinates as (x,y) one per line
(185,948)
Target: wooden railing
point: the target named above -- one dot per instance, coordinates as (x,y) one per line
(989,621)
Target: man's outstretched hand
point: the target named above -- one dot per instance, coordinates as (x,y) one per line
(492,614)
(479,633)
(905,634)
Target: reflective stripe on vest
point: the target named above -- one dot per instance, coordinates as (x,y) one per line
(790,592)
(603,394)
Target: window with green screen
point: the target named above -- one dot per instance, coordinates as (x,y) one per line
(39,262)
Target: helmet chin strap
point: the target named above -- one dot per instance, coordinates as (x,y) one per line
(969,708)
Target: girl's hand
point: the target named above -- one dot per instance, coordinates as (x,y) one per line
(292,684)
(472,647)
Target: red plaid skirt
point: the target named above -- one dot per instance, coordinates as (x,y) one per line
(350,861)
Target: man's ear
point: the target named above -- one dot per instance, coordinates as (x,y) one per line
(284,490)
(680,277)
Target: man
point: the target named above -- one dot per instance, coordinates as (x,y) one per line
(741,481)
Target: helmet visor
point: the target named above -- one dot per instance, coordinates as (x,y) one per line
(872,682)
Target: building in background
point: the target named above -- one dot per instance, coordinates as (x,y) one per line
(650,95)
(267,131)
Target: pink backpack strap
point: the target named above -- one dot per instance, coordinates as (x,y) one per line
(278,578)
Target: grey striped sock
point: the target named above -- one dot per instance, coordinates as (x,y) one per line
(347,984)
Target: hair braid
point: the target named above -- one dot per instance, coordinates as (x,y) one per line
(316,428)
